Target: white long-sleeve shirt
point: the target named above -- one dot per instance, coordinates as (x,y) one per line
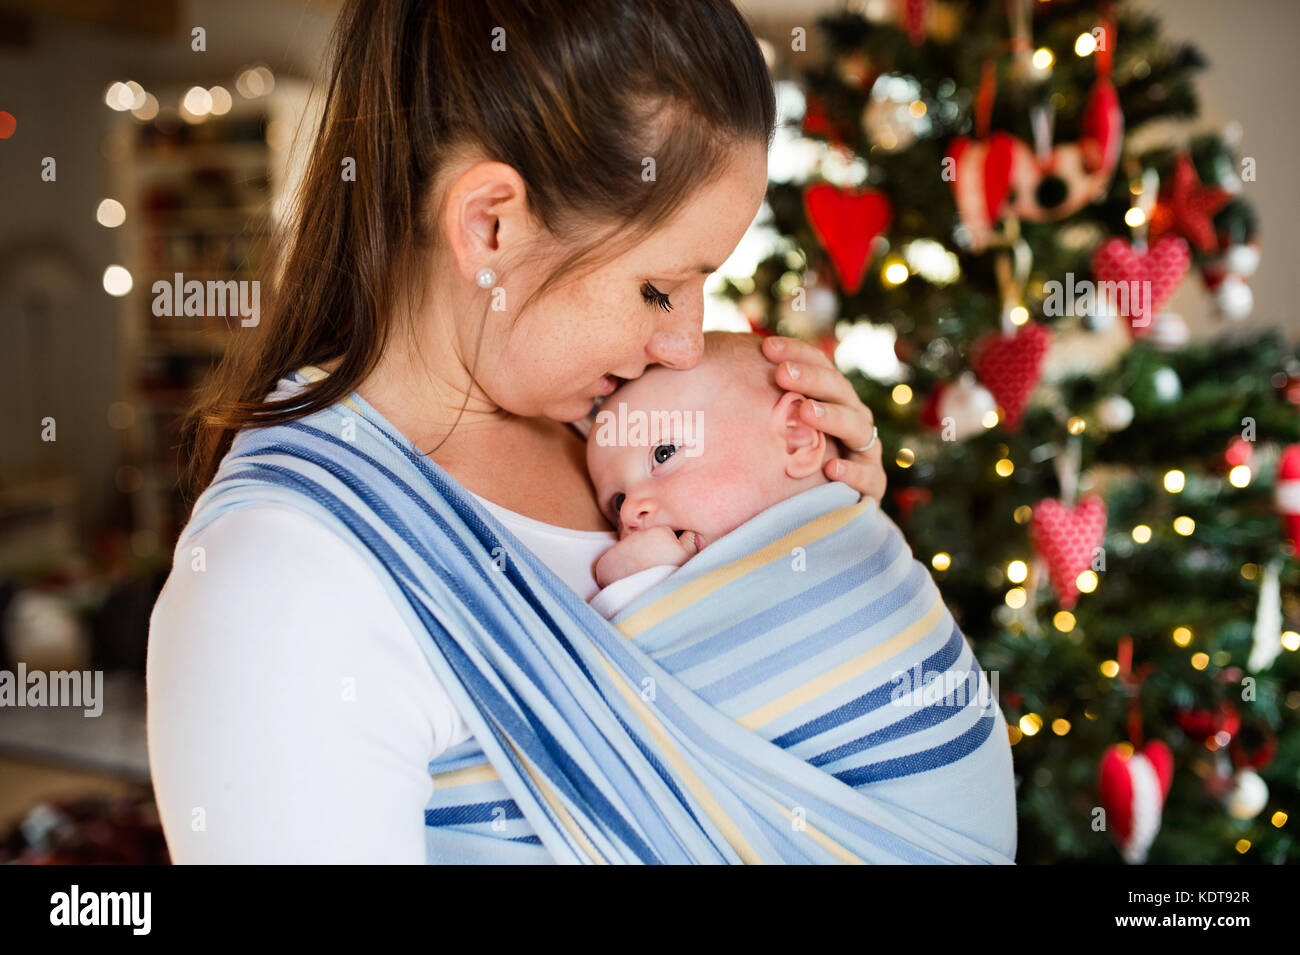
(292,715)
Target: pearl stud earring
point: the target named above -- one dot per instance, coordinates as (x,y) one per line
(485,278)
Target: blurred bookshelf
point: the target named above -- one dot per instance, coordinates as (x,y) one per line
(203,201)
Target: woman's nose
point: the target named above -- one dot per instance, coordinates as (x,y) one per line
(679,342)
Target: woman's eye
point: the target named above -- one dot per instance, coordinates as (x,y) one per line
(655,297)
(663,452)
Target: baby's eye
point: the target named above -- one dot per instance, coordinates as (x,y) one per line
(616,504)
(663,452)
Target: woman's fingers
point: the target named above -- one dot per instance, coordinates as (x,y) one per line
(862,472)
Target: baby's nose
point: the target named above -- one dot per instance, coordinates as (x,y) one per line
(637,512)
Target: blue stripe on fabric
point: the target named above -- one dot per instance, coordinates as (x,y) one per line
(470,813)
(941,660)
(921,762)
(922,719)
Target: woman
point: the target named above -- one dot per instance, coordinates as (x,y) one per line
(540,191)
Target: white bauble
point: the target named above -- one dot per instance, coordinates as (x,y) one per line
(1241,260)
(1234,298)
(965,402)
(1115,413)
(1248,795)
(1169,332)
(1167,385)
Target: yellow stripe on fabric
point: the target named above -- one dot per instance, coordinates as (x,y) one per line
(686,595)
(569,822)
(823,840)
(314,374)
(730,831)
(464,777)
(845,671)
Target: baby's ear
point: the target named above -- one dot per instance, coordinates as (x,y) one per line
(805,446)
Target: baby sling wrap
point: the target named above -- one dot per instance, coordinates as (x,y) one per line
(741,712)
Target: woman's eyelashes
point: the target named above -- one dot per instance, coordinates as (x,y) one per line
(655,297)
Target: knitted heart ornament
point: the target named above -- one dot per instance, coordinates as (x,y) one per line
(846,221)
(1065,538)
(1010,367)
(1144,280)
(1133,786)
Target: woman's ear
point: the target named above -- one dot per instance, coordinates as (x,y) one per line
(805,446)
(485,216)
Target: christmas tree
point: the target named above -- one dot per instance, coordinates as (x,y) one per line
(963,212)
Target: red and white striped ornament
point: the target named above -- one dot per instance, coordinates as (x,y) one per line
(1287,492)
(1133,787)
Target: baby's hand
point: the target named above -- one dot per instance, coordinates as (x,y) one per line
(649,547)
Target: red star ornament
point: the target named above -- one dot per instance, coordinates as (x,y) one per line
(1188,208)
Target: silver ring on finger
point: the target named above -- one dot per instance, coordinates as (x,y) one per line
(870,444)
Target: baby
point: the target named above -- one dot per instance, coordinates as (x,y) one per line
(681,458)
(787,602)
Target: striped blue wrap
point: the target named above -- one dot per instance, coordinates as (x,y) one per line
(796,693)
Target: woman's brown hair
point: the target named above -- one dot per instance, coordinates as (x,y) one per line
(573,94)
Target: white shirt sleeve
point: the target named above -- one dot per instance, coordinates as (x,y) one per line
(611,601)
(292,714)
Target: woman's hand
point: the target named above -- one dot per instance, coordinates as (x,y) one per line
(834,409)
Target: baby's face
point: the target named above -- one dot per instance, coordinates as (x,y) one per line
(688,450)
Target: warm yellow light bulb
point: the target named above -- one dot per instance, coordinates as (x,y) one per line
(1063,620)
(1239,476)
(1043,58)
(940,561)
(1109,668)
(1060,726)
(1135,217)
(1019,315)
(901,394)
(990,419)
(1017,571)
(1182,636)
(1184,525)
(905,458)
(1291,640)
(1175,481)
(1085,45)
(1016,598)
(1200,660)
(896,273)
(1086,582)
(1030,723)
(1004,467)
(1142,533)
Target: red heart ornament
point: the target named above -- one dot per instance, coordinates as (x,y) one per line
(846,221)
(1144,280)
(1010,366)
(980,182)
(1133,786)
(7,124)
(1065,537)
